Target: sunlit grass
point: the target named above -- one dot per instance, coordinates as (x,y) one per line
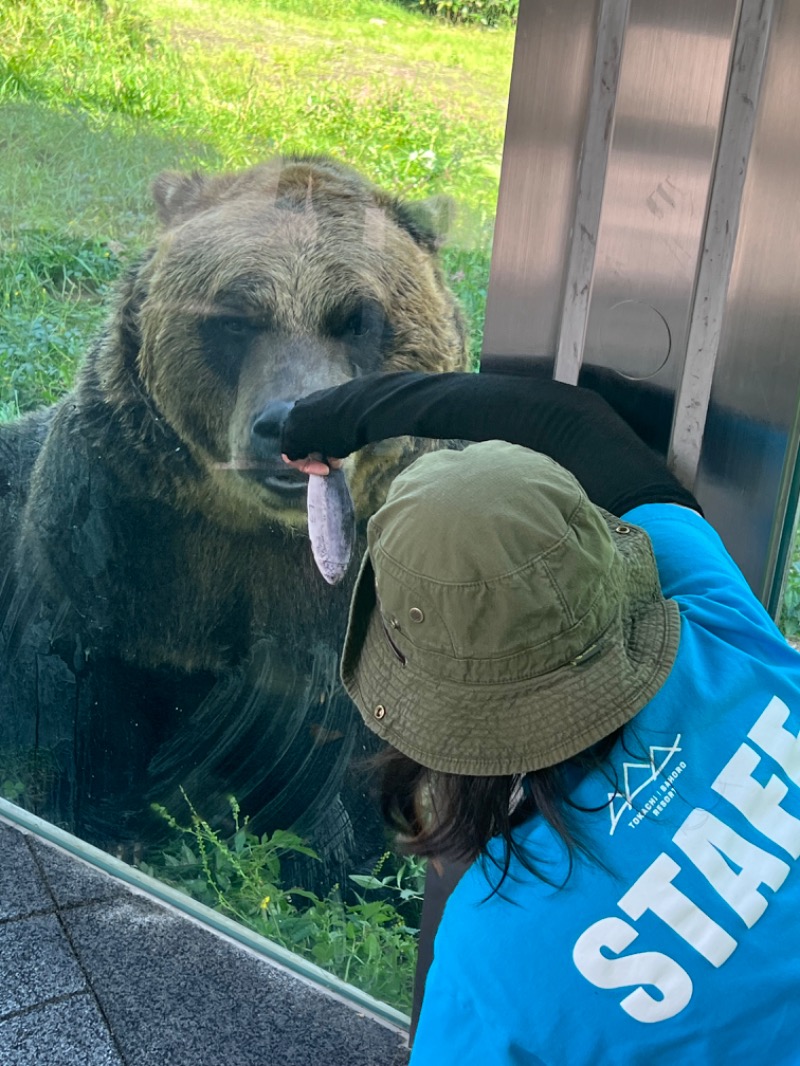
(417,103)
(66,171)
(97,98)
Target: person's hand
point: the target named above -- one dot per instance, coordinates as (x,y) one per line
(314,464)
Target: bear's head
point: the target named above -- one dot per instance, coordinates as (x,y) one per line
(262,287)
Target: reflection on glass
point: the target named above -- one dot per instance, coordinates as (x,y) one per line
(169,685)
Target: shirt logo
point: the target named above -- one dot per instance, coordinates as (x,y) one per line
(741,875)
(637,776)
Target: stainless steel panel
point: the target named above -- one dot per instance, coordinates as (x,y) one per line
(719,244)
(687,301)
(591,184)
(548,98)
(669,105)
(747,475)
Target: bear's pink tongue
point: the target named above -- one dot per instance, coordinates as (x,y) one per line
(331,524)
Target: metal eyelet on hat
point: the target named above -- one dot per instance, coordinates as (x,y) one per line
(623,529)
(379,712)
(416,615)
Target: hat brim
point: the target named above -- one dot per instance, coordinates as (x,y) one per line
(465,728)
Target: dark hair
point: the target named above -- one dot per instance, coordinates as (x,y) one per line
(453,816)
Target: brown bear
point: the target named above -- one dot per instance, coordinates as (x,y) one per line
(164,626)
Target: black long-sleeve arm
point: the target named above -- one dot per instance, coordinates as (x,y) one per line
(572,425)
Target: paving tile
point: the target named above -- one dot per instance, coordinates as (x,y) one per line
(176,993)
(22,890)
(70,1033)
(36,963)
(72,881)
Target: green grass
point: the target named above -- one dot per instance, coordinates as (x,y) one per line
(52,289)
(96,99)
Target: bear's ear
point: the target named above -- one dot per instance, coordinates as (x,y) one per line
(177,195)
(427,221)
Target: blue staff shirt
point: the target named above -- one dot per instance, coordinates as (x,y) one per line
(681,942)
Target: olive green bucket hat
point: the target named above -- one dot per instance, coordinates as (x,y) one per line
(501,622)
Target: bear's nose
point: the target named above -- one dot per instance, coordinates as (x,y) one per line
(268,426)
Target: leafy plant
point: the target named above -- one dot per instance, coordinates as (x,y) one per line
(485,12)
(26,776)
(367,942)
(790,614)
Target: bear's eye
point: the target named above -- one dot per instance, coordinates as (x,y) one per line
(365,331)
(226,339)
(235,326)
(356,323)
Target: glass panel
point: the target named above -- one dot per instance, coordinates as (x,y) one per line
(169,687)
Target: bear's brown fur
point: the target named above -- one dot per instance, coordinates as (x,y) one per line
(160,542)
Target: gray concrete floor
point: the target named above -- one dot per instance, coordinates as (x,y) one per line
(92,973)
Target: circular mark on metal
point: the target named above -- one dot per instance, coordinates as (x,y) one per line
(635,339)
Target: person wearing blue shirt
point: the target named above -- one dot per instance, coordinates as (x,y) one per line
(586,708)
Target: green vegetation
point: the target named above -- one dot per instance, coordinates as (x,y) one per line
(790,614)
(26,776)
(97,97)
(368,942)
(484,12)
(52,288)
